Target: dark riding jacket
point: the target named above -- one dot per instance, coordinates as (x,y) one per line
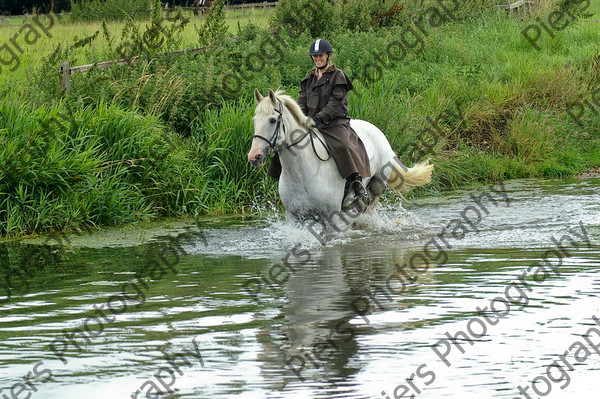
(328,98)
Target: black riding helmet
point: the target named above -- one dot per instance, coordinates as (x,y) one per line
(320,46)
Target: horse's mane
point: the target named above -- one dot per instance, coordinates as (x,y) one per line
(266,106)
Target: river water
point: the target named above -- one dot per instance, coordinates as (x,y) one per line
(324,324)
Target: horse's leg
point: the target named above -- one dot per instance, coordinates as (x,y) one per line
(290,217)
(375,187)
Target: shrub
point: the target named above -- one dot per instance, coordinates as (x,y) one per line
(164,34)
(317,17)
(108,10)
(66,166)
(361,15)
(214,29)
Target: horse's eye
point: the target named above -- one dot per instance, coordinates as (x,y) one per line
(272,120)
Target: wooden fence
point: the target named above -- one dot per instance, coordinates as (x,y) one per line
(516,6)
(65,70)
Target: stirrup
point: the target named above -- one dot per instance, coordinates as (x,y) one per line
(358,203)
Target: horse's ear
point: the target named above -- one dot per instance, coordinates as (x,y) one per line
(272,96)
(257,96)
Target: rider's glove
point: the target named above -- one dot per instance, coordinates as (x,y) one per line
(317,119)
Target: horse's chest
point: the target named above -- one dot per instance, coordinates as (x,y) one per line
(317,196)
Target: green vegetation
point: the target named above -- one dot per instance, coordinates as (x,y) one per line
(214,29)
(168,135)
(112,166)
(111,10)
(66,33)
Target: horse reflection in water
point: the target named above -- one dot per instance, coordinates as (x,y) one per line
(310,185)
(316,338)
(324,301)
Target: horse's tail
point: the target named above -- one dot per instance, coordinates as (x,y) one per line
(402,179)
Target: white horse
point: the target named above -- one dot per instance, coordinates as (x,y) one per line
(310,185)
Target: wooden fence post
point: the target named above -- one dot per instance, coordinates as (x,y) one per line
(64,76)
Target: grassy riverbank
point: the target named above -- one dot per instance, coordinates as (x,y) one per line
(169,138)
(61,30)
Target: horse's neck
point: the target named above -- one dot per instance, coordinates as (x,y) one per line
(300,162)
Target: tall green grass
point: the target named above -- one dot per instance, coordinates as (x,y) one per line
(113,166)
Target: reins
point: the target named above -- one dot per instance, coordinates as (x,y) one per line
(312,142)
(310,132)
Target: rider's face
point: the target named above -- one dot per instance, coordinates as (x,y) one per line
(320,60)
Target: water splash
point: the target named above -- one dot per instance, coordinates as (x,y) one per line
(273,234)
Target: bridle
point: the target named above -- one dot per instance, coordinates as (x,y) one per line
(277,127)
(280,126)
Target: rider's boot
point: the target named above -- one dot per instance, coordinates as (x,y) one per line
(355,193)
(357,186)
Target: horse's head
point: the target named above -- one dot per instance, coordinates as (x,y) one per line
(268,125)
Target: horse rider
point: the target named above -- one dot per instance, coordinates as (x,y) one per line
(201,3)
(324,98)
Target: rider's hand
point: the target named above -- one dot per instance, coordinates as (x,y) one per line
(317,119)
